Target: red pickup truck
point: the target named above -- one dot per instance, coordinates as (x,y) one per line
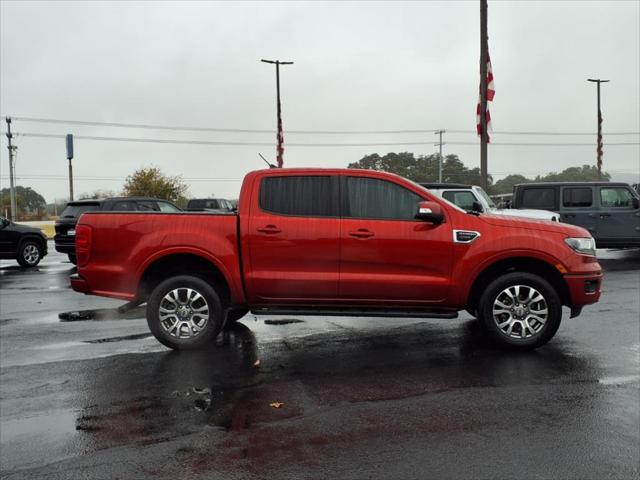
(338,242)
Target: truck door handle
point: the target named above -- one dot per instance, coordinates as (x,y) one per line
(362,233)
(269,229)
(569,215)
(604,215)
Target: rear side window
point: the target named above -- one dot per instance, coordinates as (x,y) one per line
(463,199)
(614,197)
(124,206)
(74,211)
(380,199)
(541,198)
(577,197)
(305,196)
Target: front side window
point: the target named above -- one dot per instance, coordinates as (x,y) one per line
(146,206)
(616,197)
(542,198)
(462,198)
(167,207)
(577,197)
(305,196)
(379,199)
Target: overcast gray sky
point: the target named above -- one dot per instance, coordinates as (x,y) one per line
(358,66)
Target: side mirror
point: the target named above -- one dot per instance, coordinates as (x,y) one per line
(636,202)
(477,207)
(430,212)
(4,222)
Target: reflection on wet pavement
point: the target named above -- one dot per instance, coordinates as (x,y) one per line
(360,397)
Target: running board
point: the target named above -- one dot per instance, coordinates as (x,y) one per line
(347,312)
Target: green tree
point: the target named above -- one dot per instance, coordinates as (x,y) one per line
(100,193)
(151,182)
(421,169)
(28,202)
(505,185)
(586,173)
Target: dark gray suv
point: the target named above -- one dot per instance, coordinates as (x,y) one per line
(609,210)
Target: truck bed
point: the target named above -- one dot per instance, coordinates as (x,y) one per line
(125,245)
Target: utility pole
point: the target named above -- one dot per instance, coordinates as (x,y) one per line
(12,149)
(440,132)
(280,135)
(484,54)
(69,144)
(599,147)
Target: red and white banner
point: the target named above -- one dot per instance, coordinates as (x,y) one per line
(490,94)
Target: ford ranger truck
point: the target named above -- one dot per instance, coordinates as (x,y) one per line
(337,242)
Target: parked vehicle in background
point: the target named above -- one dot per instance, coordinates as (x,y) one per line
(338,242)
(216,205)
(27,245)
(609,211)
(66,225)
(474,198)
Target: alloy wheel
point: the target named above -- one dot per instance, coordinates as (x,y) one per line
(520,312)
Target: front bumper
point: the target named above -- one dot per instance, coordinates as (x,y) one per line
(584,289)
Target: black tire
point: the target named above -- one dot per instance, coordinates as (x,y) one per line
(171,332)
(521,312)
(72,258)
(29,253)
(234,315)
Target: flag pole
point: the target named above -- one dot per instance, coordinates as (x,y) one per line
(484,53)
(599,146)
(280,134)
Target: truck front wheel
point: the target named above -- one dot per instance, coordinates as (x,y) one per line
(520,310)
(184,312)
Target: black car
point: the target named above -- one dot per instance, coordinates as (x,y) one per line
(28,245)
(66,224)
(215,205)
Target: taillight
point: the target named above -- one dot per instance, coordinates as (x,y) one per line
(83,244)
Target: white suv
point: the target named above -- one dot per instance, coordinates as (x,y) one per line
(474,198)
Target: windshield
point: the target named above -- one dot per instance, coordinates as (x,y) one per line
(431,193)
(74,211)
(486,197)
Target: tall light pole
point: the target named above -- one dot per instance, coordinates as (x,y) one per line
(12,188)
(280,135)
(440,132)
(599,147)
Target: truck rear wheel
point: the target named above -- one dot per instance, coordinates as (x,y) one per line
(184,312)
(520,310)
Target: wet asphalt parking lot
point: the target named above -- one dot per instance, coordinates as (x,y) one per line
(99,398)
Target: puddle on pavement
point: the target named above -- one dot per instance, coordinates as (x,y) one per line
(282,321)
(138,336)
(102,314)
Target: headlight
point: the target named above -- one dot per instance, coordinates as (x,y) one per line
(585,246)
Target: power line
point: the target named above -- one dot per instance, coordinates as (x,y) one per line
(266,144)
(306,132)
